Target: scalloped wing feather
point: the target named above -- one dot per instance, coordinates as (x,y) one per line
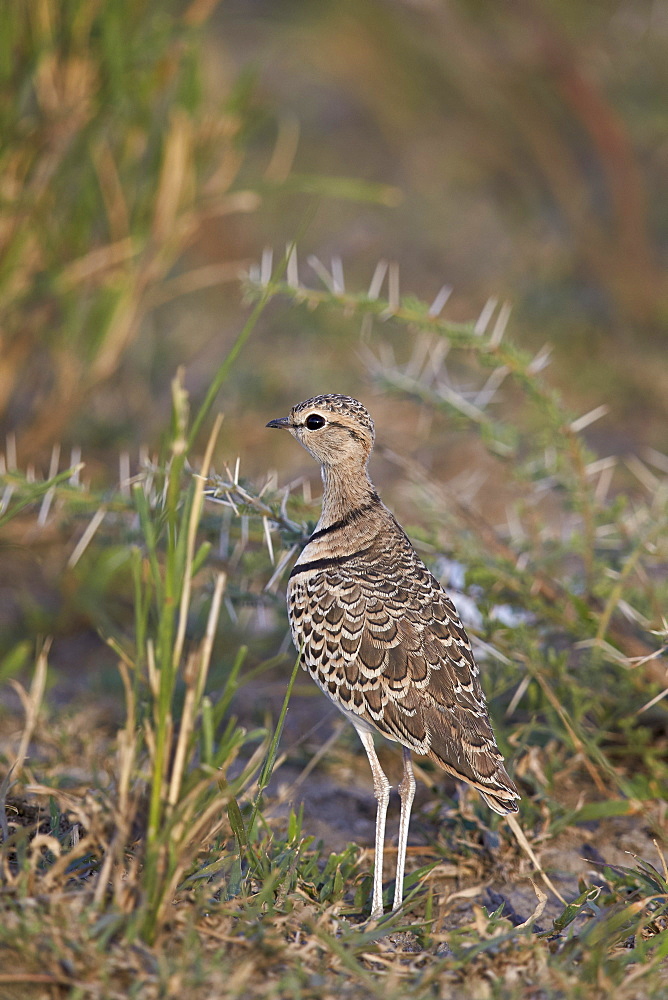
(382,638)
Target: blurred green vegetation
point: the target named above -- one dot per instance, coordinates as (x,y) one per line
(515,150)
(528,140)
(110,160)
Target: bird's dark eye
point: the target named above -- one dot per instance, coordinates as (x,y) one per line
(314,421)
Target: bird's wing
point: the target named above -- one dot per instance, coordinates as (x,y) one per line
(384,641)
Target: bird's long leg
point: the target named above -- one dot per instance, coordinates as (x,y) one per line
(407,793)
(381,790)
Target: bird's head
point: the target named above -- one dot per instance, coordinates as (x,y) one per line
(336,430)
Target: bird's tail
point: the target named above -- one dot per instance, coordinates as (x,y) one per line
(502,802)
(484,769)
(499,790)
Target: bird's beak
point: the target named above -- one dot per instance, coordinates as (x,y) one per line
(280,422)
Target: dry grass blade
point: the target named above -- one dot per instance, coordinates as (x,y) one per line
(520,836)
(32,701)
(87,537)
(195,678)
(195,514)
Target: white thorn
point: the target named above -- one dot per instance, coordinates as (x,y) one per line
(490,387)
(124,473)
(393,299)
(657,459)
(87,537)
(6,497)
(419,356)
(519,694)
(642,473)
(485,316)
(48,496)
(632,613)
(267,538)
(338,281)
(280,566)
(75,465)
(541,360)
(439,353)
(11,452)
(291,270)
(377,280)
(232,503)
(653,701)
(266,265)
(231,610)
(321,271)
(45,508)
(440,300)
(500,325)
(588,418)
(366,327)
(603,485)
(461,403)
(593,468)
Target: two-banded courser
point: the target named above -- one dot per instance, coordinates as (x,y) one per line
(378,633)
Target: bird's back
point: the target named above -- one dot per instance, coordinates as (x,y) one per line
(381,637)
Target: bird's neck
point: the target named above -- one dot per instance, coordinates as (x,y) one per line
(346,489)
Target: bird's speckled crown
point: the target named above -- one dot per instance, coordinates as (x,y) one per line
(336,403)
